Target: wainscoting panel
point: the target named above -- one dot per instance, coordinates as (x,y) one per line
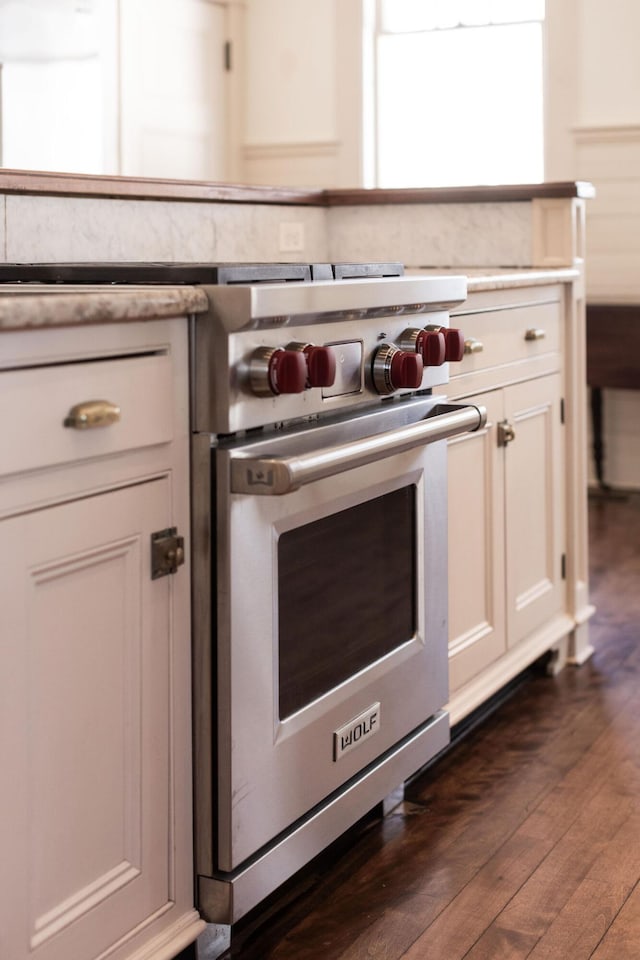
(316,163)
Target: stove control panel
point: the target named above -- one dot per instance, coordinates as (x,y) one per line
(269,354)
(341,368)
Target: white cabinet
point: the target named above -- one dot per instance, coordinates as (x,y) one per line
(94,659)
(534,506)
(506,528)
(477,611)
(508,493)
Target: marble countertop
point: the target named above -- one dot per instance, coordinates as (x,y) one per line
(32,306)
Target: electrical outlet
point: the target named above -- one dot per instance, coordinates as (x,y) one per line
(291,237)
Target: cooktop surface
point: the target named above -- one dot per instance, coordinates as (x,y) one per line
(191,273)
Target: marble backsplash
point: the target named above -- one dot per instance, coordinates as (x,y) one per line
(58,228)
(438,234)
(47,228)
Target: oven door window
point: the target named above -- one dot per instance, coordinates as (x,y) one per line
(346,595)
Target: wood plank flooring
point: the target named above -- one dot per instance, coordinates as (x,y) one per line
(523,840)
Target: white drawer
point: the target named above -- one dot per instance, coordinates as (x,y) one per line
(34,403)
(515,334)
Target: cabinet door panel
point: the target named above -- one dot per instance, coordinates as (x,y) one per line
(476,548)
(85,671)
(534,506)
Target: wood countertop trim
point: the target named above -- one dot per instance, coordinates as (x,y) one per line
(473,194)
(28,182)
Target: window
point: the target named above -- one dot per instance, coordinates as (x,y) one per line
(58,85)
(458,92)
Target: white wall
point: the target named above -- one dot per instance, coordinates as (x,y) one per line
(305,98)
(609,62)
(291,71)
(593,130)
(58,86)
(593,133)
(173,86)
(133,87)
(303,92)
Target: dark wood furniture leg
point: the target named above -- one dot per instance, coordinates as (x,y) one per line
(598,444)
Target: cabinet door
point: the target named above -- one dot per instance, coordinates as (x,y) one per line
(84,725)
(476,547)
(534,506)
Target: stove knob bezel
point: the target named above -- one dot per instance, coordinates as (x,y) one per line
(263,371)
(410,340)
(383,361)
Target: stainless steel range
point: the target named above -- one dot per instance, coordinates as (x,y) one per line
(319,545)
(320,559)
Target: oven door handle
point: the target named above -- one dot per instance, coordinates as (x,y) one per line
(271,476)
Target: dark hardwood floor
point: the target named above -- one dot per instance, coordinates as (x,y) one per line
(523,840)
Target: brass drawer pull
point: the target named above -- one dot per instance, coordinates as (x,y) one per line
(535,333)
(92,414)
(473,346)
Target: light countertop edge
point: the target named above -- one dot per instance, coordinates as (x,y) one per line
(522,278)
(501,278)
(38,306)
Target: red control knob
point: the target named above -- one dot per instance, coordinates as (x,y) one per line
(287,372)
(454,344)
(406,370)
(393,369)
(320,361)
(432,345)
(321,366)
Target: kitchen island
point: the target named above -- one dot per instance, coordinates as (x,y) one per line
(508,605)
(120,336)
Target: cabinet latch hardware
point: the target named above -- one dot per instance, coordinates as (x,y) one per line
(563,566)
(506,433)
(562,410)
(167,552)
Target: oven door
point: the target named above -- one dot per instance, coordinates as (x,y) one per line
(331,562)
